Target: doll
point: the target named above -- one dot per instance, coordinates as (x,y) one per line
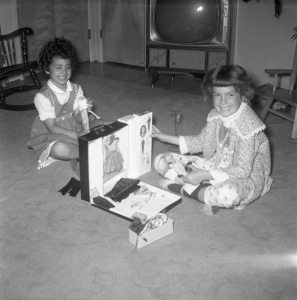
(171,166)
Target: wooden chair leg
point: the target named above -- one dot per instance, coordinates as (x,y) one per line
(294,131)
(172,80)
(292,112)
(154,78)
(35,79)
(267,105)
(2,95)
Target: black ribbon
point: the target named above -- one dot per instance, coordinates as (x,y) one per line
(72,188)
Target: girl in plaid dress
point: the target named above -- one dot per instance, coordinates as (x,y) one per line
(55,131)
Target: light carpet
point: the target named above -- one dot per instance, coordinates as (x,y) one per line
(59,247)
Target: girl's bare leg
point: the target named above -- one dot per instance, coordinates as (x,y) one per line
(64,151)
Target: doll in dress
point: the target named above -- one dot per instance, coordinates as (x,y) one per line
(113,158)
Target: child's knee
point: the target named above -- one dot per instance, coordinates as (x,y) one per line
(58,149)
(226,194)
(62,150)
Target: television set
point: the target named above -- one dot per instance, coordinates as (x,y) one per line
(193,23)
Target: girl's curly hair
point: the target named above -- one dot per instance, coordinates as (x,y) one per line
(231,75)
(59,47)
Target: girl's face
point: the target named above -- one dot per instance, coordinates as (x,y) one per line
(60,72)
(226,100)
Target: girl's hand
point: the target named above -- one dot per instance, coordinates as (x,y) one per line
(195,176)
(155,132)
(80,133)
(90,104)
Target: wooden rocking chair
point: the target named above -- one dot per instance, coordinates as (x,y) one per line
(273,94)
(11,65)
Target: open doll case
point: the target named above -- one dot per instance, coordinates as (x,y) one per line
(121,150)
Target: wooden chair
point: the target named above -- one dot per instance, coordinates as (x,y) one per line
(12,64)
(273,94)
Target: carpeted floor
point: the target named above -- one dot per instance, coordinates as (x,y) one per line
(58,247)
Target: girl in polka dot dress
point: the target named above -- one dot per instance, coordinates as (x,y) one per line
(234,169)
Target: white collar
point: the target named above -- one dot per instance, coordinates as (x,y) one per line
(245,122)
(228,121)
(58,90)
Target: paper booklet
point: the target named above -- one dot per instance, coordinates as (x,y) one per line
(148,200)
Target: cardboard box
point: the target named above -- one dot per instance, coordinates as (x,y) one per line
(121,150)
(152,235)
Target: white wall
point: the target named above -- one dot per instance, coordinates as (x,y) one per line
(8,16)
(262,40)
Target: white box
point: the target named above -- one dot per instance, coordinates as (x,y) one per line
(152,235)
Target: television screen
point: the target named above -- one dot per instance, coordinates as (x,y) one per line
(187,21)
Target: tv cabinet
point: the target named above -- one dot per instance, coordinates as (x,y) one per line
(171,60)
(170,51)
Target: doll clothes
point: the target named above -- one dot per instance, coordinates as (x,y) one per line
(113,158)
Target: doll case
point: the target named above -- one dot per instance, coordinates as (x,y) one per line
(121,150)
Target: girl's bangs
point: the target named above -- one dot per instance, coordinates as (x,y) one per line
(223,81)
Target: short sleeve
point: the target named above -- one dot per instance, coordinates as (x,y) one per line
(44,107)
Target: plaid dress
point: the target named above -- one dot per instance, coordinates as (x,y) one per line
(41,139)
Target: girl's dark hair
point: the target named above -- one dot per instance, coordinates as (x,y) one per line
(224,76)
(59,47)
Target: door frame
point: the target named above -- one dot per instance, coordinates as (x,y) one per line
(95,39)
